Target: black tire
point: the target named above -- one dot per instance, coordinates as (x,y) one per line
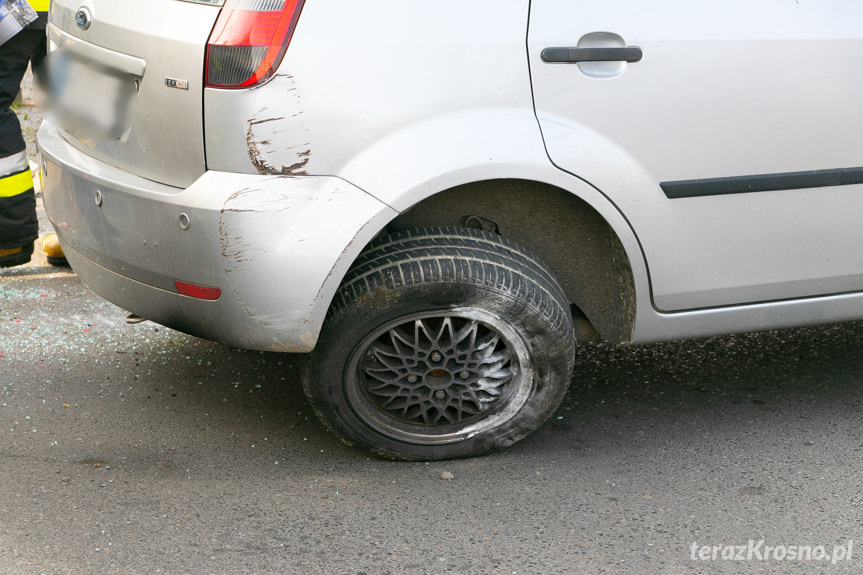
(442,343)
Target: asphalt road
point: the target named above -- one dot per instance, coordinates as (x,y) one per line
(137,449)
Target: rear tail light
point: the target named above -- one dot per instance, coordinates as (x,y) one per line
(249,40)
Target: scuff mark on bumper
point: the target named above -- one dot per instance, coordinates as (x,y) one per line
(286,243)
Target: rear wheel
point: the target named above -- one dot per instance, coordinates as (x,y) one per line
(442,343)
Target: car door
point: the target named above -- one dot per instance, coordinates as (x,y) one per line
(728,133)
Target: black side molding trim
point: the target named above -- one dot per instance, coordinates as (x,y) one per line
(762,183)
(575,55)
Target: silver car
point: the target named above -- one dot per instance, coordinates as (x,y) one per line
(434,200)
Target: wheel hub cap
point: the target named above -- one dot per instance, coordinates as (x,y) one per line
(437,371)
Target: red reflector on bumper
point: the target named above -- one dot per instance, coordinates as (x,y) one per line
(196,291)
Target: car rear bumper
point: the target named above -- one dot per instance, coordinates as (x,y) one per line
(276,246)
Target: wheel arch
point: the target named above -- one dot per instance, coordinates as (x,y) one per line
(564,231)
(495,158)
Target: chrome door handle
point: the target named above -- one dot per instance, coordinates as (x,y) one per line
(575,55)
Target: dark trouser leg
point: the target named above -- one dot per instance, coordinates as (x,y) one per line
(18,223)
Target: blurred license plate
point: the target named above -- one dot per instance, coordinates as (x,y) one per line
(89,98)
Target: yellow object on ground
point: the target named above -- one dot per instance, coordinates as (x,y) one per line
(54,251)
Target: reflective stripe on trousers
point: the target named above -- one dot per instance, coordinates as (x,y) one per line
(13,164)
(15,175)
(16,184)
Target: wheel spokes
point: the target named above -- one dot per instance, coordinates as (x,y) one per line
(437,370)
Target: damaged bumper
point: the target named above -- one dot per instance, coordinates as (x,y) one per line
(275,246)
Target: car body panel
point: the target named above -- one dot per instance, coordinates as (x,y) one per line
(408,63)
(374,111)
(164,137)
(274,245)
(724,89)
